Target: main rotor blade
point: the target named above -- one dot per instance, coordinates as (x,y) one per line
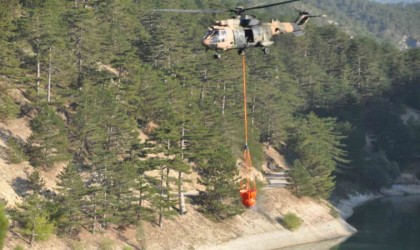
(256,5)
(190,11)
(269,5)
(217,5)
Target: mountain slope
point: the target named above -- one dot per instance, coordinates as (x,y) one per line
(393,23)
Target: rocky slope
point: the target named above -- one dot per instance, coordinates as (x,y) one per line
(257,228)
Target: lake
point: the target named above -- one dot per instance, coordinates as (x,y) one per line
(386,223)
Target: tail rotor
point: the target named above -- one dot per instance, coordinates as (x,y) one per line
(304,16)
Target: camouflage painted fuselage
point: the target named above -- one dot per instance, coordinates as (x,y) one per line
(243,33)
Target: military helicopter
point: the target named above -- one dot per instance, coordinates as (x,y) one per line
(246,31)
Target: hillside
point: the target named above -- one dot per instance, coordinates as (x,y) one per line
(259,226)
(397,1)
(394,23)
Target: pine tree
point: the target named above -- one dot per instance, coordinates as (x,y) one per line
(48,143)
(42,27)
(124,181)
(70,200)
(159,190)
(9,63)
(142,184)
(103,139)
(8,109)
(218,173)
(36,183)
(34,218)
(317,145)
(301,180)
(15,151)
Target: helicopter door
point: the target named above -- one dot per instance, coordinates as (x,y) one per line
(249,36)
(240,40)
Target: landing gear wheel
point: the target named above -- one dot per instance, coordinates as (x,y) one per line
(217,56)
(266,51)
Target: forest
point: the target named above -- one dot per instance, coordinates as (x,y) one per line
(394,23)
(98,73)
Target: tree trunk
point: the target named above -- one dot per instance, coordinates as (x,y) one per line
(202,94)
(169,59)
(160,223)
(38,72)
(94,215)
(79,62)
(49,75)
(31,238)
(183,140)
(180,195)
(168,198)
(269,133)
(253,109)
(140,197)
(224,98)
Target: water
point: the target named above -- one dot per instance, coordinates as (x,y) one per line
(388,224)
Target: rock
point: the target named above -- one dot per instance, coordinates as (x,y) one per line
(407,189)
(390,192)
(345,207)
(407,178)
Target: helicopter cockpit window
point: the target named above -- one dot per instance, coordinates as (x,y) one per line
(209,32)
(222,35)
(218,36)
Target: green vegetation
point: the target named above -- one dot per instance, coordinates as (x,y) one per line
(98,72)
(8,108)
(333,211)
(388,22)
(291,221)
(48,142)
(316,143)
(106,244)
(15,152)
(4,225)
(219,199)
(34,218)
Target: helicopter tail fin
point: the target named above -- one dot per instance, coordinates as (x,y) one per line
(303,18)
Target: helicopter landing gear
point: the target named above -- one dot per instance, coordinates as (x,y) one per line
(265,50)
(217,56)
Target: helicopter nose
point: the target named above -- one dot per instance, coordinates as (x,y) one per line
(205,42)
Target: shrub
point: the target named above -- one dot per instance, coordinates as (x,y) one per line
(4,224)
(8,108)
(15,153)
(19,247)
(291,221)
(106,244)
(42,227)
(78,246)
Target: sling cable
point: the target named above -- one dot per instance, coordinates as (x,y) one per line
(247,186)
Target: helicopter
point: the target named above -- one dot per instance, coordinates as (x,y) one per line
(244,31)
